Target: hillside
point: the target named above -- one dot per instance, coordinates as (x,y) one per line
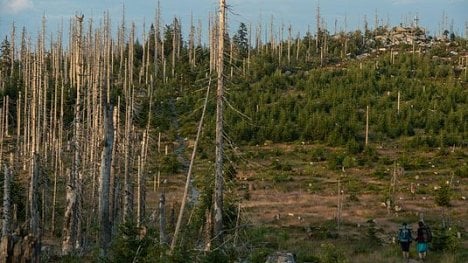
(331,142)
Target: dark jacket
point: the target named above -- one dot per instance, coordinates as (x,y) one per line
(421,237)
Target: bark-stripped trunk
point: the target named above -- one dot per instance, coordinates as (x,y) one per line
(189,173)
(367,125)
(174,45)
(141,187)
(104,181)
(218,198)
(289,44)
(6,201)
(156,41)
(72,226)
(128,153)
(128,182)
(207,230)
(191,45)
(34,221)
(162,220)
(114,197)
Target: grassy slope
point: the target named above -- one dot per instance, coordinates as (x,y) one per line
(290,189)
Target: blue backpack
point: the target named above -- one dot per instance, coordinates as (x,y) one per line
(404,235)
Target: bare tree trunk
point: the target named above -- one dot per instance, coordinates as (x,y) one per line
(18,126)
(249,47)
(128,182)
(191,46)
(189,173)
(142,72)
(35,222)
(398,103)
(162,220)
(272,36)
(147,60)
(104,181)
(164,63)
(321,56)
(115,194)
(156,40)
(59,151)
(3,116)
(367,125)
(317,21)
(207,232)
(141,183)
(6,201)
(211,44)
(231,55)
(280,46)
(198,43)
(174,46)
(218,198)
(72,225)
(289,44)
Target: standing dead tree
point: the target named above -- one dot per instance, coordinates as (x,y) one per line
(367,126)
(104,181)
(142,158)
(6,240)
(34,221)
(162,220)
(219,184)
(141,179)
(128,131)
(72,225)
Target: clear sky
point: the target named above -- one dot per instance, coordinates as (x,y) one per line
(299,13)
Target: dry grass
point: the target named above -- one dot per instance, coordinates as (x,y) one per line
(306,196)
(310,198)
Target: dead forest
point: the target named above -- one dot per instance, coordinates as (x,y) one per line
(113,133)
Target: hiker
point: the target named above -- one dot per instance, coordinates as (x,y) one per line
(404,236)
(424,236)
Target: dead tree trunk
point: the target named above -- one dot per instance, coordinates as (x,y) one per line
(367,125)
(289,44)
(72,225)
(189,173)
(218,198)
(104,181)
(35,221)
(141,182)
(6,240)
(162,220)
(207,230)
(174,45)
(398,103)
(156,40)
(6,201)
(128,180)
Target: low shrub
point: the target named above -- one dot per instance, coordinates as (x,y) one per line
(445,239)
(443,196)
(331,254)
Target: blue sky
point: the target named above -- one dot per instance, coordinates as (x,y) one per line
(299,13)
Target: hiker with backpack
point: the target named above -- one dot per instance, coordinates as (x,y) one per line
(424,236)
(405,239)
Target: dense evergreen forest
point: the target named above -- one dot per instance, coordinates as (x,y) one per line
(129,106)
